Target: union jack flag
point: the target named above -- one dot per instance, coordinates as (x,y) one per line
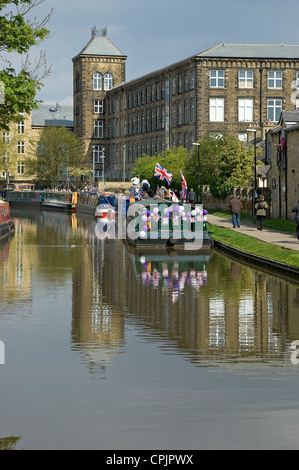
(184,184)
(162,173)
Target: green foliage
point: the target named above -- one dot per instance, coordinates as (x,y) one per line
(173,160)
(59,155)
(224,162)
(17,35)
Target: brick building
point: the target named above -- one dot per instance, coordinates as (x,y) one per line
(283,157)
(228,88)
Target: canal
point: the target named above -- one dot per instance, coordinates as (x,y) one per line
(103,349)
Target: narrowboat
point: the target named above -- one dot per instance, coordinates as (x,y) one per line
(24,198)
(59,200)
(153,224)
(7,226)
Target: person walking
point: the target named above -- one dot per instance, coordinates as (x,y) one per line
(261,213)
(296,209)
(191,198)
(236,207)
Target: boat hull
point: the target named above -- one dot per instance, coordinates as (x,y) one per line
(7,226)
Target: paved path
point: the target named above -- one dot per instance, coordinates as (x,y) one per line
(285,240)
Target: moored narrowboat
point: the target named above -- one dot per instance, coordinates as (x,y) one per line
(7,226)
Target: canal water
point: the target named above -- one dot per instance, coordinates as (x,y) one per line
(103,349)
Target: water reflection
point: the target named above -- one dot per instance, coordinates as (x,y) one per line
(209,309)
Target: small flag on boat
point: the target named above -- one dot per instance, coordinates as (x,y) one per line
(163,174)
(184,185)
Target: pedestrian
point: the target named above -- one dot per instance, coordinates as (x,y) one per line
(296,209)
(260,208)
(235,206)
(191,198)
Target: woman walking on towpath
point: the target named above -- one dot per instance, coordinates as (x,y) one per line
(296,209)
(260,208)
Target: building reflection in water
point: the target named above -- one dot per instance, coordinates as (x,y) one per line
(207,309)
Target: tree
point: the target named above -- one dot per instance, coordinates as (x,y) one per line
(225,162)
(18,33)
(173,160)
(57,156)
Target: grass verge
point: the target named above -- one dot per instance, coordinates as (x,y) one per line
(255,246)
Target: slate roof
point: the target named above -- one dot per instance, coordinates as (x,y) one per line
(102,46)
(52,115)
(253,51)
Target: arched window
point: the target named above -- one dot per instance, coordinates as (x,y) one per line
(108,81)
(97,81)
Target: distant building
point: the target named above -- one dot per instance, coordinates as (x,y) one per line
(228,88)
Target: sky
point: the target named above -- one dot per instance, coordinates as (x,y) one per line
(156,33)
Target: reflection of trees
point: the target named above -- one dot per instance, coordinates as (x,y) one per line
(9,443)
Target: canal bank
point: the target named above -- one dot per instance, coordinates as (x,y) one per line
(281,252)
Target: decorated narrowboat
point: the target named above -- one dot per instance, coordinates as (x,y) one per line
(154,223)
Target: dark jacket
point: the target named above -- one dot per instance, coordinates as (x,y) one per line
(235,205)
(191,197)
(296,209)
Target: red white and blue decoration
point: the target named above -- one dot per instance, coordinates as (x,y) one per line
(163,174)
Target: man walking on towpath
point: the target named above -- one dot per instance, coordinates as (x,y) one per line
(296,209)
(235,206)
(191,198)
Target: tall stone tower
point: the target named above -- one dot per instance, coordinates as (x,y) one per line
(98,68)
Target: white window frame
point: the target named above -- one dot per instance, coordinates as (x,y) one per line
(108,81)
(21,128)
(6,137)
(97,81)
(297,79)
(217,78)
(98,132)
(21,167)
(275,79)
(217,109)
(245,110)
(243,136)
(21,147)
(98,153)
(245,79)
(98,106)
(275,107)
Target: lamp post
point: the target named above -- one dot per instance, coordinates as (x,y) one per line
(198,162)
(254,185)
(124,167)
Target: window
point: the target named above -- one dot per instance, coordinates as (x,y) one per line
(246,79)
(21,147)
(21,168)
(191,109)
(98,107)
(274,79)
(243,136)
(192,80)
(217,109)
(217,78)
(21,127)
(297,104)
(98,153)
(5,137)
(97,81)
(246,109)
(108,81)
(186,82)
(98,129)
(297,79)
(274,109)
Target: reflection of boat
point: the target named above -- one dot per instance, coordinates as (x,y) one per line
(173,272)
(7,225)
(153,224)
(59,200)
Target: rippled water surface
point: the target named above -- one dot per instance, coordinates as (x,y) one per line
(106,349)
